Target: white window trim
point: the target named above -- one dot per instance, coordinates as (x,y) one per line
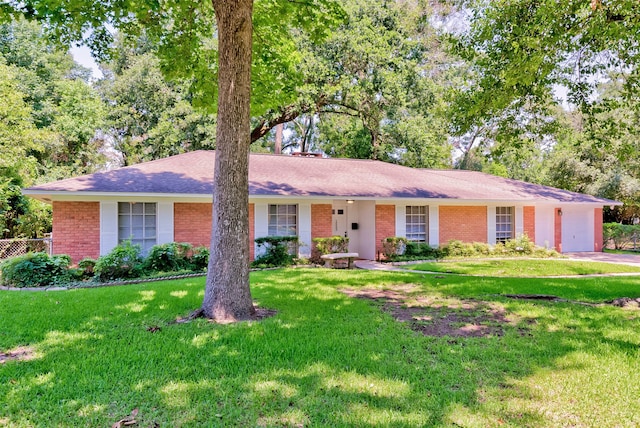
(426,221)
(156,214)
(512,216)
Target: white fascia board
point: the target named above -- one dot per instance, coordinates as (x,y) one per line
(299,200)
(560,204)
(489,202)
(454,202)
(61,195)
(111,196)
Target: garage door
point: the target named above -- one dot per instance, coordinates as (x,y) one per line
(577,229)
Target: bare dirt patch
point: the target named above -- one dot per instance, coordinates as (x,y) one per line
(21,353)
(436,316)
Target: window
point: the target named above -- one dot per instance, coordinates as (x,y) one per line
(137,222)
(416,224)
(504,223)
(283,220)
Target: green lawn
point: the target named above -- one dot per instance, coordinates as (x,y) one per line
(612,251)
(325,359)
(523,267)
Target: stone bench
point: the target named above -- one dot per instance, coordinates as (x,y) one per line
(329,259)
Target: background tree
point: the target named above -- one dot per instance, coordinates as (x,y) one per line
(374,88)
(150,117)
(48,118)
(525,56)
(60,101)
(597,153)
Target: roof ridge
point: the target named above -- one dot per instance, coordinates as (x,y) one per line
(329,158)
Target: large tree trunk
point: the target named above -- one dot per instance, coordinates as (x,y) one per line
(227,295)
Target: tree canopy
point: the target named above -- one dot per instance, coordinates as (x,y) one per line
(373,88)
(150,117)
(526,48)
(554,83)
(48,120)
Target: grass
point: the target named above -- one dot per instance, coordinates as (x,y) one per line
(523,267)
(613,251)
(324,360)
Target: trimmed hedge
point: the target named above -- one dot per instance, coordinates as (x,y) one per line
(277,251)
(332,244)
(399,249)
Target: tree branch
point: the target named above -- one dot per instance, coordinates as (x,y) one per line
(287,114)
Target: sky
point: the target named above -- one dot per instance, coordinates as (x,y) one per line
(82,55)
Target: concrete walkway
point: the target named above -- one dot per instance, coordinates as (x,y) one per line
(374,265)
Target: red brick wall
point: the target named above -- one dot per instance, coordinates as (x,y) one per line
(321,227)
(76,229)
(467,224)
(385,224)
(597,230)
(192,224)
(557,229)
(529,222)
(321,218)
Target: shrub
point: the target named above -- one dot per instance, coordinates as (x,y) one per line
(86,267)
(543,252)
(123,262)
(333,244)
(36,270)
(457,248)
(277,251)
(520,245)
(393,246)
(421,250)
(620,235)
(481,248)
(200,258)
(171,257)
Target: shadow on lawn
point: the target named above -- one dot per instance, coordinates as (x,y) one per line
(325,359)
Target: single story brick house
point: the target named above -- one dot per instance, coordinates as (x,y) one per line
(170,200)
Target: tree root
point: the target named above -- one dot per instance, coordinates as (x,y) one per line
(198,313)
(621,302)
(259,314)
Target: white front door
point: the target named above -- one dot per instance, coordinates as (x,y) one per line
(339,219)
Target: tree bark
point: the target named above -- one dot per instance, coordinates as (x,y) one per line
(227,294)
(278,145)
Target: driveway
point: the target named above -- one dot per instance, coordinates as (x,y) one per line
(625,259)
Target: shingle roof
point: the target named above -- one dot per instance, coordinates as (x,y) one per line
(281,175)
